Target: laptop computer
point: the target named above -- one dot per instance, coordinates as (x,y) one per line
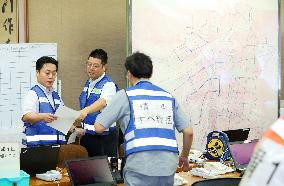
(92,171)
(237,135)
(241,154)
(37,160)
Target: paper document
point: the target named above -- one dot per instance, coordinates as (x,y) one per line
(9,160)
(66,117)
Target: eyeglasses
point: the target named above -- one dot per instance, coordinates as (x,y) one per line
(90,65)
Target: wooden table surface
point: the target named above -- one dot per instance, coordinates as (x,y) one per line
(65,181)
(191,179)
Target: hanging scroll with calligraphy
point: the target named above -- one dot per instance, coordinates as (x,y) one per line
(8,21)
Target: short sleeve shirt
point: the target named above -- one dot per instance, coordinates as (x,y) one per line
(31,103)
(108,90)
(161,163)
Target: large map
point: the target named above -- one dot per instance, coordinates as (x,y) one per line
(220,59)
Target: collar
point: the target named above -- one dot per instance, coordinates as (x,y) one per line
(93,82)
(142,79)
(45,90)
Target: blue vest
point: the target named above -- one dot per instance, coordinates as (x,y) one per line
(152,123)
(88,122)
(39,133)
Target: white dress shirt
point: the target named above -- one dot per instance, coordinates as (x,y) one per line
(31,103)
(108,90)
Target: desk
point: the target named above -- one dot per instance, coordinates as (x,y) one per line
(65,181)
(191,179)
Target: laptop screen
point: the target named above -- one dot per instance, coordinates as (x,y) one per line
(36,160)
(89,171)
(237,134)
(242,152)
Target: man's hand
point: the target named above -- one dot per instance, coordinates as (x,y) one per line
(187,141)
(47,117)
(183,164)
(80,132)
(83,115)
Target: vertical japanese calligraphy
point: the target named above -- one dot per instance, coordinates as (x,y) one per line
(8,21)
(9,160)
(153,114)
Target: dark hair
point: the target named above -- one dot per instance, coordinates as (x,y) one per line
(139,65)
(44,60)
(99,54)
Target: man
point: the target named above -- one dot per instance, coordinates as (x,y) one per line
(39,106)
(148,117)
(267,164)
(98,91)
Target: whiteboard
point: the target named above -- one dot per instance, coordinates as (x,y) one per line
(17,76)
(220,59)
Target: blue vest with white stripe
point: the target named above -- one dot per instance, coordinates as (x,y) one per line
(152,123)
(88,122)
(39,133)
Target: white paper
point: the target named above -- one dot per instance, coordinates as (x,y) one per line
(66,118)
(9,160)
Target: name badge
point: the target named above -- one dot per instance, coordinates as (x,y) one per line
(96,91)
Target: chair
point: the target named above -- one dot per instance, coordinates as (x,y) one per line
(70,151)
(218,182)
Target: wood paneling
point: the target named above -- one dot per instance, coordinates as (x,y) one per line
(79,27)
